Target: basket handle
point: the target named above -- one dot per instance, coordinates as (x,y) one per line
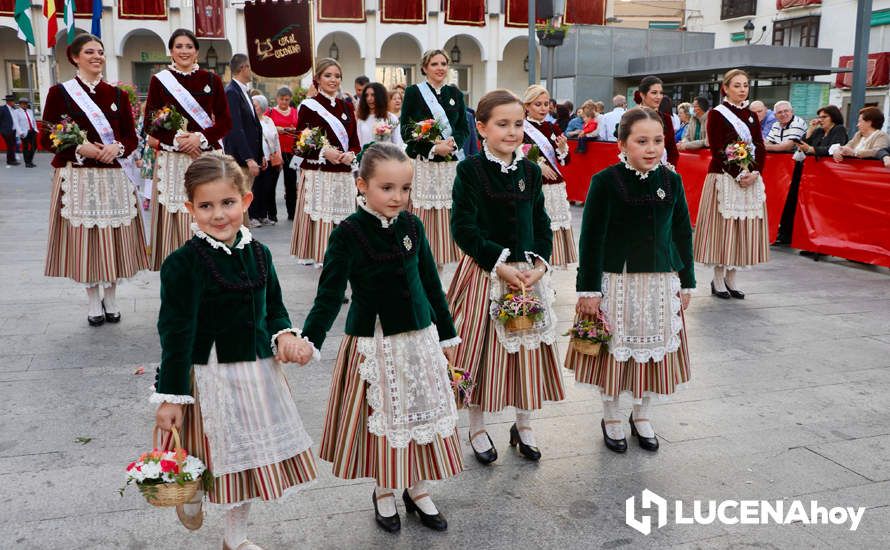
(177,443)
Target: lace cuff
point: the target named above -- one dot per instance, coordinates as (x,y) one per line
(505,253)
(205,145)
(450,342)
(687,290)
(562,154)
(833,149)
(78,158)
(589,294)
(170,398)
(316,354)
(432,154)
(530,257)
(121,149)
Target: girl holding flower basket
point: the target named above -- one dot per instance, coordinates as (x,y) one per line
(731,231)
(434,127)
(94,237)
(500,296)
(328,144)
(224,333)
(546,145)
(186,113)
(635,275)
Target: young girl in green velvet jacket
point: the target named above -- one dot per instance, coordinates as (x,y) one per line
(224,332)
(391,413)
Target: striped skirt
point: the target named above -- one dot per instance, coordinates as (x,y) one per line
(523,379)
(437,224)
(564,252)
(95,255)
(613,378)
(728,242)
(169,231)
(309,239)
(264,483)
(356,453)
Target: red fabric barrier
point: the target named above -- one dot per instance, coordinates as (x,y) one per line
(844,210)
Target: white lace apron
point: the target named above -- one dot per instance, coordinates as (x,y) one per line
(736,202)
(329,196)
(171,167)
(408,386)
(544,329)
(432,184)
(644,312)
(556,203)
(249,414)
(97,197)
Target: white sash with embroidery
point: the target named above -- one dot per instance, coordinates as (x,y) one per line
(438,113)
(740,127)
(543,144)
(93,112)
(332,121)
(185,99)
(734,201)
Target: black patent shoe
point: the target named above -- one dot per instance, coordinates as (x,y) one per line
(96,321)
(737,294)
(647,443)
(616,445)
(529,452)
(485,457)
(435,522)
(722,294)
(111,317)
(389,524)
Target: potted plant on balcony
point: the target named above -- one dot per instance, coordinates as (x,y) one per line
(551,33)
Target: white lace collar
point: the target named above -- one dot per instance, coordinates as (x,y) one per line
(642,175)
(194,69)
(332,98)
(505,168)
(741,105)
(385,222)
(91,84)
(246,238)
(433,86)
(533,121)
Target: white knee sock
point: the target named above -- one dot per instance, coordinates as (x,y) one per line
(612,418)
(386,505)
(524,425)
(193,507)
(719,274)
(643,418)
(108,298)
(422,490)
(730,278)
(236,525)
(95,302)
(477,425)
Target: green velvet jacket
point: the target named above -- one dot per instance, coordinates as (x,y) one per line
(642,224)
(210,297)
(492,211)
(414,109)
(392,274)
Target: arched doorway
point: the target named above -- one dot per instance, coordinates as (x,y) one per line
(63,70)
(344,48)
(19,76)
(466,71)
(399,61)
(143,53)
(513,66)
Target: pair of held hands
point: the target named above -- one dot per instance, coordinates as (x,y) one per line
(335,156)
(106,154)
(188,143)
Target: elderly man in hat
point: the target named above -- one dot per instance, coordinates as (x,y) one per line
(27,130)
(8,129)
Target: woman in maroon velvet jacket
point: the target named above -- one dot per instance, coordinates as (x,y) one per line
(649,94)
(731,231)
(169,219)
(94,236)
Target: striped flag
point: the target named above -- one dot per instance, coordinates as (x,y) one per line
(68,18)
(23,20)
(52,24)
(97,19)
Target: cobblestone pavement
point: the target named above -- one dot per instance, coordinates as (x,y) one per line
(789,400)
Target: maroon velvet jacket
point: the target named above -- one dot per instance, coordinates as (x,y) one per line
(548,129)
(208,91)
(673,154)
(721,133)
(59,103)
(307,118)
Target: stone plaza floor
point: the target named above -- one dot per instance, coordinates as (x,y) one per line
(789,399)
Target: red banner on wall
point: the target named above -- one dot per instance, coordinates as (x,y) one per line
(465,12)
(341,11)
(279,38)
(585,12)
(210,19)
(517,14)
(403,11)
(142,9)
(785,4)
(877,72)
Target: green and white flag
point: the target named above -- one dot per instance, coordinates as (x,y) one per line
(22,16)
(69,19)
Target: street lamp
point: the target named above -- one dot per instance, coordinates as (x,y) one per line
(455,53)
(212,59)
(334,51)
(749,31)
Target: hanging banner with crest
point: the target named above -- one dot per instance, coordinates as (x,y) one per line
(279,37)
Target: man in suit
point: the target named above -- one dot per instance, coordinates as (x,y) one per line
(27,131)
(8,129)
(244,141)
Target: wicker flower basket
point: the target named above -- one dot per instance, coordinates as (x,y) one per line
(586,347)
(515,324)
(169,494)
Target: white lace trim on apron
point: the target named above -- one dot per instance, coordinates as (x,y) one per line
(737,202)
(408,387)
(432,183)
(249,414)
(97,197)
(644,312)
(329,196)
(556,203)
(544,329)
(171,167)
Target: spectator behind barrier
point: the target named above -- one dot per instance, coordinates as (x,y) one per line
(576,125)
(684,113)
(696,135)
(867,141)
(825,130)
(767,117)
(788,130)
(609,125)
